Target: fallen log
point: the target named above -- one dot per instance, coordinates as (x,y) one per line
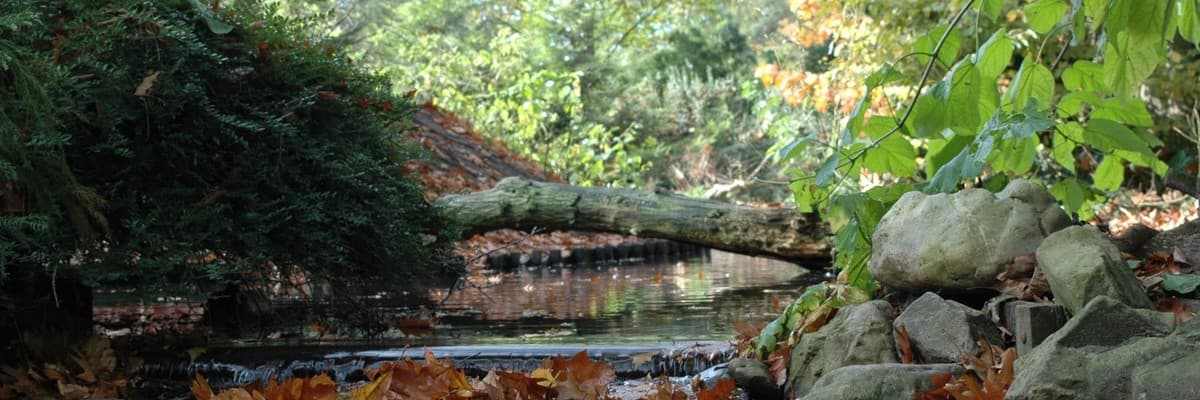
(518,203)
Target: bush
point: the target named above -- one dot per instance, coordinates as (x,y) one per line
(160,144)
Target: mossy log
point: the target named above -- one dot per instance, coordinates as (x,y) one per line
(518,203)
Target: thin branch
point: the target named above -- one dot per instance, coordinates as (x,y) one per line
(937,49)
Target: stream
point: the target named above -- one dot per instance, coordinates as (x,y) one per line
(674,318)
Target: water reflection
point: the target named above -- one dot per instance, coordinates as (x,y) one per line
(698,299)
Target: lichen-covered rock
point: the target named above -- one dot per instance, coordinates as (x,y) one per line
(963,240)
(943,330)
(1080,263)
(858,334)
(879,381)
(1112,351)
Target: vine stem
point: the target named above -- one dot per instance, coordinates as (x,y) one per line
(933,59)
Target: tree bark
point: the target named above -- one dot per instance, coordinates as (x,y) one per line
(518,203)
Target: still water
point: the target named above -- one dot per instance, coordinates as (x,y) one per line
(696,299)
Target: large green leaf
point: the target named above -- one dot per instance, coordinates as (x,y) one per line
(1129,60)
(1109,136)
(1084,75)
(994,55)
(1044,14)
(894,154)
(1033,82)
(1015,155)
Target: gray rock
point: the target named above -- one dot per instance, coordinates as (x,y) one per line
(1080,263)
(879,381)
(943,330)
(1031,323)
(858,334)
(1111,351)
(754,377)
(963,240)
(709,377)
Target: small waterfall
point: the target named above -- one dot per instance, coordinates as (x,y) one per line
(345,366)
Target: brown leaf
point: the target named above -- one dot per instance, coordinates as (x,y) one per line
(200,388)
(722,390)
(143,89)
(904,344)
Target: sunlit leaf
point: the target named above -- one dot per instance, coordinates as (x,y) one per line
(1044,14)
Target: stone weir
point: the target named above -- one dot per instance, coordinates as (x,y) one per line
(238,367)
(634,252)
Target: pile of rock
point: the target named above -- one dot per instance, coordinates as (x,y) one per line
(1099,339)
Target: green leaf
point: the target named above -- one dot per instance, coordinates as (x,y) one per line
(1013,154)
(1066,138)
(1032,82)
(1187,19)
(990,8)
(993,57)
(793,148)
(894,155)
(1129,60)
(826,171)
(928,117)
(807,194)
(884,75)
(1070,193)
(949,51)
(1044,14)
(1109,136)
(1129,111)
(941,151)
(1095,10)
(1109,174)
(1084,75)
(958,169)
(1182,283)
(1072,103)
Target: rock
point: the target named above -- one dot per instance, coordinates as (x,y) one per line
(858,334)
(1031,323)
(1185,237)
(755,378)
(1112,351)
(1080,263)
(709,377)
(943,330)
(879,381)
(961,241)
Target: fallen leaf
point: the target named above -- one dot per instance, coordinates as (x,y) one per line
(143,89)
(904,344)
(722,390)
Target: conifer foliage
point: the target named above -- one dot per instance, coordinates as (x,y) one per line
(162,143)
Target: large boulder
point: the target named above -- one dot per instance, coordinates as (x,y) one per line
(1080,263)
(943,330)
(858,334)
(879,381)
(961,241)
(1109,350)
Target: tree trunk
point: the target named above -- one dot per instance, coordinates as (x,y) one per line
(518,203)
